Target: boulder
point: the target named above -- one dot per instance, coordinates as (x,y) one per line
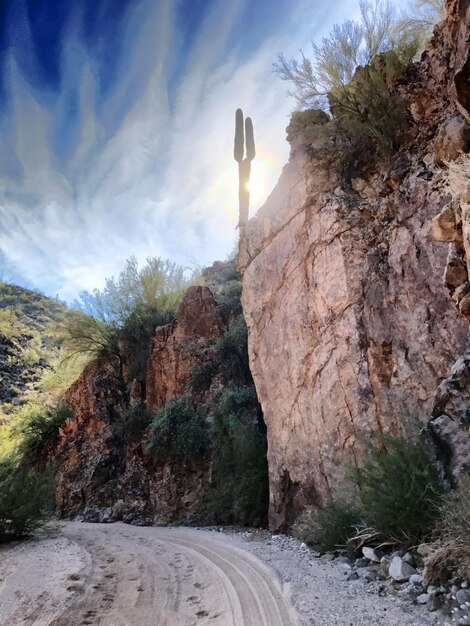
(400,570)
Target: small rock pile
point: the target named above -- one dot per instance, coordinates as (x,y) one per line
(401,573)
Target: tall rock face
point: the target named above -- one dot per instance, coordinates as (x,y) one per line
(105,476)
(350,327)
(177,348)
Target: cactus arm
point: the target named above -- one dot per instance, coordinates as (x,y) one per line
(249,139)
(239,143)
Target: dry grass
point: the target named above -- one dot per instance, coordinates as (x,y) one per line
(449,558)
(452,547)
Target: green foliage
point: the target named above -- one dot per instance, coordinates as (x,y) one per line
(228,298)
(179,430)
(25,494)
(35,425)
(353,44)
(64,369)
(159,284)
(202,376)
(11,326)
(330,528)
(399,490)
(231,353)
(131,422)
(239,491)
(127,310)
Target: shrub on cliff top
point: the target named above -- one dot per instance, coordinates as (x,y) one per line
(353,44)
(127,309)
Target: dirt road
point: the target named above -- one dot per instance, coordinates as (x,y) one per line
(118,575)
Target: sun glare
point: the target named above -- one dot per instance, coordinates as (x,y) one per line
(264,174)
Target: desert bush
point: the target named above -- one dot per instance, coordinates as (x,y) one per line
(239,491)
(400,491)
(63,370)
(159,284)
(25,496)
(179,430)
(131,422)
(35,425)
(11,326)
(231,353)
(452,534)
(128,309)
(332,526)
(228,297)
(202,375)
(353,44)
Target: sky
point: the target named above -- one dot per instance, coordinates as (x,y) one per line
(117,124)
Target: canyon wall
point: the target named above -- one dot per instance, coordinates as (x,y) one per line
(104,474)
(351,328)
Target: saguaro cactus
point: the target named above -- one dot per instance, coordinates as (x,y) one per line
(244,139)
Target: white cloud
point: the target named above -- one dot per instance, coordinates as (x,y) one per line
(164,182)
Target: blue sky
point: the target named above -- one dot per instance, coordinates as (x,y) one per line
(117,122)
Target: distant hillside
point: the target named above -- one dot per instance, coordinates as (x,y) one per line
(28,340)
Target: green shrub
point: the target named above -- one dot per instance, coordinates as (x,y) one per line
(36,425)
(137,332)
(25,495)
(231,353)
(330,528)
(239,492)
(228,297)
(179,430)
(202,376)
(131,422)
(354,44)
(400,491)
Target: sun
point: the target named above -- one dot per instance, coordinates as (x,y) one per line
(264,173)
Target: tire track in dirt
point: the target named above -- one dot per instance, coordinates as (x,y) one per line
(151,576)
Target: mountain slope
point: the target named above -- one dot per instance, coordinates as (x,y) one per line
(28,340)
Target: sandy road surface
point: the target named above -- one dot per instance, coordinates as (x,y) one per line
(116,575)
(120,575)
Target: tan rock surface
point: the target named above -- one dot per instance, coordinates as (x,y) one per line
(178,347)
(350,327)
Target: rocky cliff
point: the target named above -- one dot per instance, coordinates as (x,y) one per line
(351,328)
(107,475)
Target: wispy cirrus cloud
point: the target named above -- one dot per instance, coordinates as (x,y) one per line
(132,155)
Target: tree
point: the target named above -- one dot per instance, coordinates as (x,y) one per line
(353,44)
(128,309)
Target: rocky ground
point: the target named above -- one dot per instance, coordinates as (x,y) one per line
(105,574)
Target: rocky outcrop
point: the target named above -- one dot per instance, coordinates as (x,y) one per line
(350,328)
(178,347)
(89,462)
(104,475)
